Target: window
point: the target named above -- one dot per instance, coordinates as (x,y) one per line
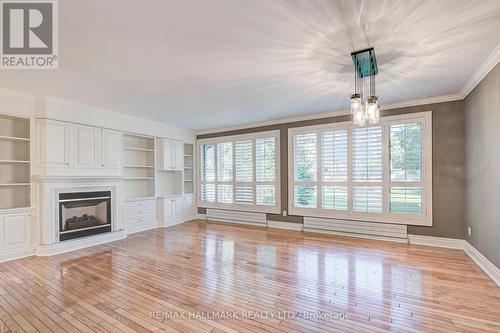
(240,172)
(378,173)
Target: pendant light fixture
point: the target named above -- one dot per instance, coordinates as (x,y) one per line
(364,111)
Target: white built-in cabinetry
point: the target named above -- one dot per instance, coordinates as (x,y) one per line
(139,173)
(140,215)
(79,150)
(139,166)
(175,184)
(16,228)
(171,154)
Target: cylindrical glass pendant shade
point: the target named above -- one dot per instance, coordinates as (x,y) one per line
(355,103)
(372,110)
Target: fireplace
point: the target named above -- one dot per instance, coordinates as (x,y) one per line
(84,214)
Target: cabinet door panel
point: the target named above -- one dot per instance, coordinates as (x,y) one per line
(54,136)
(17,231)
(85,146)
(179,207)
(179,155)
(167,155)
(111,149)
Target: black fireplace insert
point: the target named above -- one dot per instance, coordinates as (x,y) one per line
(84,214)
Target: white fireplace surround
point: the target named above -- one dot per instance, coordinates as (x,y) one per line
(49,190)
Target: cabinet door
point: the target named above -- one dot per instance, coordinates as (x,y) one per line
(111,149)
(168,155)
(85,148)
(17,231)
(54,150)
(188,204)
(179,155)
(179,207)
(169,208)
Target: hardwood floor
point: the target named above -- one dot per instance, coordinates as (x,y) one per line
(260,280)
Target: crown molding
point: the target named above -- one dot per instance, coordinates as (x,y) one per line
(483,70)
(335,113)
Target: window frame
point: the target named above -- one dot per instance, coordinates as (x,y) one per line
(423,219)
(235,206)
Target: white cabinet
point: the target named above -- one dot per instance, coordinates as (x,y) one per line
(85,150)
(15,234)
(172,155)
(111,149)
(54,143)
(73,149)
(139,215)
(174,210)
(188,204)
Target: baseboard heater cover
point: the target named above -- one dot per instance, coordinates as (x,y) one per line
(361,228)
(233,216)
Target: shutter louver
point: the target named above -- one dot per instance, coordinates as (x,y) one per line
(334,156)
(367,154)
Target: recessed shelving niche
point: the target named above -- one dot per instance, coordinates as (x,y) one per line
(188,168)
(139,166)
(15,162)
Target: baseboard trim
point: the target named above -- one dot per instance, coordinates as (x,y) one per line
(195,217)
(236,222)
(68,246)
(487,266)
(284,225)
(135,229)
(449,243)
(17,254)
(364,236)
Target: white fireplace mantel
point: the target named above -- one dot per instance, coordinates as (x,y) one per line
(49,189)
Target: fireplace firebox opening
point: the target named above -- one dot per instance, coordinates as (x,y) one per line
(84,214)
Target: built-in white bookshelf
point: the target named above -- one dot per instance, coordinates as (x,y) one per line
(188,168)
(139,166)
(15,162)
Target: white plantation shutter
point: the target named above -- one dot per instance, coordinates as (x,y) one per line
(244,172)
(207,173)
(240,172)
(367,169)
(334,156)
(374,173)
(334,171)
(367,199)
(367,154)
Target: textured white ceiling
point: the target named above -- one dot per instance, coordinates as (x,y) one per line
(208,64)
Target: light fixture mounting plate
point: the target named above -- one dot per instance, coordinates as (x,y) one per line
(365,62)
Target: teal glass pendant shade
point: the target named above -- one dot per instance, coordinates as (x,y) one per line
(365,62)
